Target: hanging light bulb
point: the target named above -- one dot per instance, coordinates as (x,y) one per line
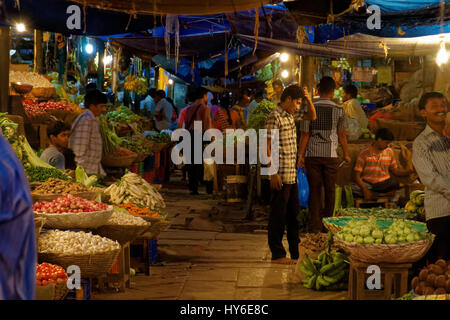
(442,55)
(170,82)
(284,74)
(284,57)
(20,27)
(89,48)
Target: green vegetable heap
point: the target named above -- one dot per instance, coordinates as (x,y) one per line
(162,137)
(122,115)
(329,271)
(376,212)
(259,115)
(135,145)
(40,174)
(9,128)
(368,232)
(109,137)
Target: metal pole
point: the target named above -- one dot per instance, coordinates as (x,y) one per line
(5,38)
(38,54)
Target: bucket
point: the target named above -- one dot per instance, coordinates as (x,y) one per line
(236,188)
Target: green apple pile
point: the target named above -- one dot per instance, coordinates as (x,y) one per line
(368,232)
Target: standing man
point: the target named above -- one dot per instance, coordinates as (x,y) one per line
(85,139)
(352,107)
(240,108)
(278,87)
(431,159)
(148,104)
(18,252)
(163,111)
(318,152)
(198,111)
(285,203)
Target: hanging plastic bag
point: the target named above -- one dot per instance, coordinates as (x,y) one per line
(350,203)
(303,188)
(338,199)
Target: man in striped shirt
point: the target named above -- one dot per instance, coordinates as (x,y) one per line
(431,159)
(318,152)
(373,167)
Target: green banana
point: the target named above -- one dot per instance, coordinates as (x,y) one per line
(338,276)
(330,266)
(333,272)
(305,271)
(318,286)
(322,257)
(309,265)
(317,264)
(311,282)
(322,281)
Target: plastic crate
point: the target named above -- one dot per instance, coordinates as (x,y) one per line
(84,293)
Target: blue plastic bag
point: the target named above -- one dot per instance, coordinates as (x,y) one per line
(303,188)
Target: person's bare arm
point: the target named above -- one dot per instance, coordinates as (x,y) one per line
(304,138)
(311,113)
(343,141)
(360,183)
(401,172)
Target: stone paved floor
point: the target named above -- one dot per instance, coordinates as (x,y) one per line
(199,260)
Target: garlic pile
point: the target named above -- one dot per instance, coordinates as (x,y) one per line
(77,243)
(31,78)
(124,219)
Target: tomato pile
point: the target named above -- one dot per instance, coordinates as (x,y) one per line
(49,273)
(68,203)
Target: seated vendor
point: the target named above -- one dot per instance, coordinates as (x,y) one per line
(374,166)
(352,107)
(58,136)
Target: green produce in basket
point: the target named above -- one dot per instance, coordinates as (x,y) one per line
(376,212)
(41,174)
(372,232)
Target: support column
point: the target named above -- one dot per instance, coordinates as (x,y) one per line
(101,66)
(5,39)
(308,70)
(38,61)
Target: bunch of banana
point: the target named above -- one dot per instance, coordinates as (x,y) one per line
(130,82)
(329,271)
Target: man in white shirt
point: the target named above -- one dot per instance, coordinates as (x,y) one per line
(148,103)
(352,107)
(163,111)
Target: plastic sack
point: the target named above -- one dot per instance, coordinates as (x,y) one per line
(303,188)
(353,129)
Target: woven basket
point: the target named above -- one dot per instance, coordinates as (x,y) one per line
(335,224)
(44,93)
(388,253)
(141,157)
(118,162)
(83,220)
(159,146)
(156,228)
(92,265)
(121,233)
(61,291)
(38,197)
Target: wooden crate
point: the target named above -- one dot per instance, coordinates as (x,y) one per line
(394,281)
(120,272)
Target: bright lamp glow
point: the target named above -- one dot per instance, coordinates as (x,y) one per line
(170,81)
(89,48)
(107,59)
(285,74)
(21,27)
(442,56)
(284,57)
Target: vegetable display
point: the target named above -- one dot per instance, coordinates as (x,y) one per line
(329,271)
(75,243)
(122,115)
(69,204)
(135,145)
(135,84)
(41,174)
(27,155)
(138,211)
(259,115)
(124,218)
(58,186)
(161,137)
(315,241)
(433,279)
(368,232)
(31,78)
(33,109)
(131,188)
(83,178)
(109,137)
(376,212)
(47,273)
(9,128)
